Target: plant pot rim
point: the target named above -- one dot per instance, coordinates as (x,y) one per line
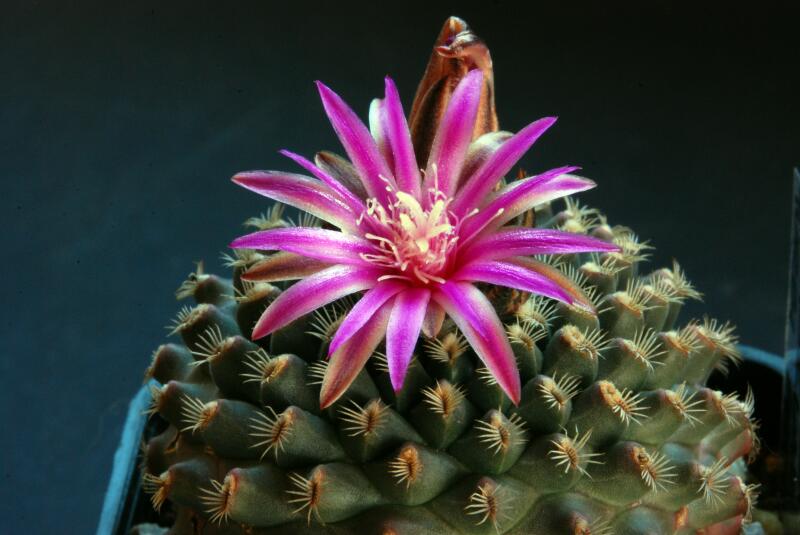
(119,503)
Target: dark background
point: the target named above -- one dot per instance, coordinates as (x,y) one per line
(120,125)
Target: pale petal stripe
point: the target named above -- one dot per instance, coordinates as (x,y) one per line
(403,331)
(377,127)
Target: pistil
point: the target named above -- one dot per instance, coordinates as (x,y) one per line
(414,241)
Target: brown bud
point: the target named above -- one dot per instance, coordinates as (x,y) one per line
(456,52)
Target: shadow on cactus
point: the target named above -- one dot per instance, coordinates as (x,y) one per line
(434,349)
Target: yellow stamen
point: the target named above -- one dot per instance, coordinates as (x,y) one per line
(409,238)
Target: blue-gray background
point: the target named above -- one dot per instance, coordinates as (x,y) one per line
(120,123)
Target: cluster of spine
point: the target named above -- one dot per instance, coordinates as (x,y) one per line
(615,433)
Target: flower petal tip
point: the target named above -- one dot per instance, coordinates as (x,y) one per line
(249,277)
(324,91)
(580,183)
(547,123)
(326,400)
(583,305)
(390,89)
(514,390)
(259,332)
(236,244)
(246,178)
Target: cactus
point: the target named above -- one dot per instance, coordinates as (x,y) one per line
(432,385)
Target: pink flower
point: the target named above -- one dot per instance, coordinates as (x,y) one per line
(416,242)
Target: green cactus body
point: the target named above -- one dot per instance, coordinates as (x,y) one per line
(615,432)
(589,415)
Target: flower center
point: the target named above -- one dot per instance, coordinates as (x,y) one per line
(414,241)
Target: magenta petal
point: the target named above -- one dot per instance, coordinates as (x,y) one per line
(363,310)
(476,318)
(311,293)
(358,143)
(403,330)
(523,195)
(512,276)
(406,169)
(454,134)
(481,183)
(302,192)
(355,204)
(326,245)
(346,363)
(520,241)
